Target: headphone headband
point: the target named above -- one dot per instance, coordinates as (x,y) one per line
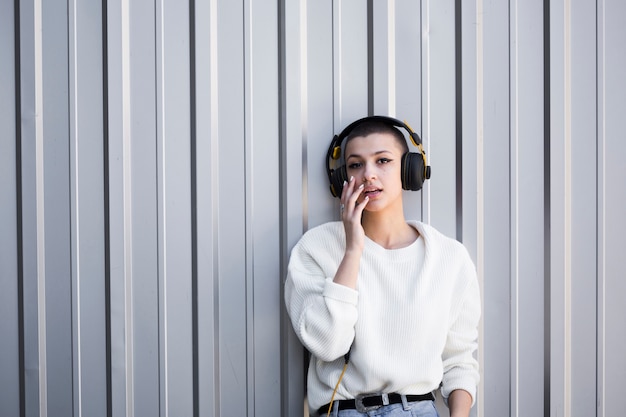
(417,141)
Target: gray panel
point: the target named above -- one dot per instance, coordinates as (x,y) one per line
(561,209)
(272,85)
(31,206)
(119,209)
(559,354)
(144,225)
(383,57)
(527,208)
(471,162)
(350,61)
(262,140)
(57,211)
(584,209)
(471,148)
(9,323)
(233,257)
(206,158)
(600,147)
(497,291)
(317,88)
(86,184)
(174,189)
(439,119)
(613,169)
(408,83)
(293,179)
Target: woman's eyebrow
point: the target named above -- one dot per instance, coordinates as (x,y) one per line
(356,155)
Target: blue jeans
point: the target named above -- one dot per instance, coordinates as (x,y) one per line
(414,409)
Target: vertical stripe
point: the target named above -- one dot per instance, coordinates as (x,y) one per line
(161,209)
(391,57)
(568,207)
(426,106)
(458,56)
(214,136)
(337,63)
(119,208)
(249,65)
(514,202)
(480,203)
(106,210)
(40,228)
(74,210)
(304,107)
(19,193)
(547,207)
(370,57)
(194,209)
(601,364)
(127,208)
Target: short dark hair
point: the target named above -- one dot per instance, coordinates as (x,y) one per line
(376,126)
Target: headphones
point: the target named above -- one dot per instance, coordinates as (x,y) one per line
(414,169)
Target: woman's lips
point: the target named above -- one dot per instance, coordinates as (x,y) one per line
(372,193)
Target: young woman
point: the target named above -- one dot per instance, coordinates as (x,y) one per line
(388,308)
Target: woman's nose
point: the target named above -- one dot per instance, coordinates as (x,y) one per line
(368,173)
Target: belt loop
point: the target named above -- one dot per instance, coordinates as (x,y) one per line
(336,408)
(405,403)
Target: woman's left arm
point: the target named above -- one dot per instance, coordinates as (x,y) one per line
(459,364)
(459,403)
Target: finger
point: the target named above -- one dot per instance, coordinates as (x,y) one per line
(352,200)
(344,191)
(361,206)
(345,194)
(347,190)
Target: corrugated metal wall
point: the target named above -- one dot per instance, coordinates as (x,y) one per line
(159,160)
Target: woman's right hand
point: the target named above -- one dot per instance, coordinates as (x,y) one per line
(351,213)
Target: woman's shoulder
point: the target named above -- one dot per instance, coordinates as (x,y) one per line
(429,231)
(434,238)
(319,245)
(328,227)
(323,233)
(446,252)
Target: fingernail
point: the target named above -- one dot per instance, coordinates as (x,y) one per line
(345,182)
(362,185)
(351,178)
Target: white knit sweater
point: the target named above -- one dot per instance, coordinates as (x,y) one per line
(412,322)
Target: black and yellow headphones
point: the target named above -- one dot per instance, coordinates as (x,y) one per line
(414,168)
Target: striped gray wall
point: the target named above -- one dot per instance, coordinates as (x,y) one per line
(160,158)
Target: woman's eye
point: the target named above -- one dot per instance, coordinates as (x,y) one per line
(384,160)
(354,165)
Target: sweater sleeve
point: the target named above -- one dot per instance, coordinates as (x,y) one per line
(323,313)
(459,364)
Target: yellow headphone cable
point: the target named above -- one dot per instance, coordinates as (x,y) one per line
(345,366)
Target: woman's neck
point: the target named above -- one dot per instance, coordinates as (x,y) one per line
(389,230)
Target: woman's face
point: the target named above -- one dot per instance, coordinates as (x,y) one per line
(375,161)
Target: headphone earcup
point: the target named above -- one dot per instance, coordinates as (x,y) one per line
(412,170)
(337,178)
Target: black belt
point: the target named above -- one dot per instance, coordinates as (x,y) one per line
(367,402)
